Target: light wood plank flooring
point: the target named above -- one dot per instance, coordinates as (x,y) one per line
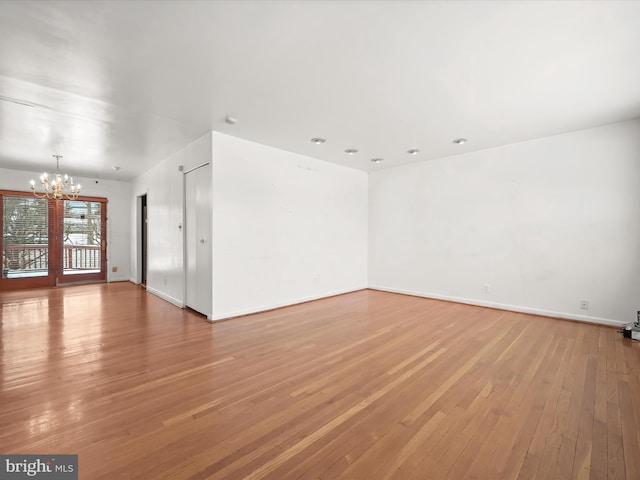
(368,385)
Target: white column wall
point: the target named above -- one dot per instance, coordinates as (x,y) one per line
(163,185)
(286,228)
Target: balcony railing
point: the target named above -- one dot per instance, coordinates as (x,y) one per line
(81,257)
(32,258)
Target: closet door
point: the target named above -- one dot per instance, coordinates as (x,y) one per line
(198,239)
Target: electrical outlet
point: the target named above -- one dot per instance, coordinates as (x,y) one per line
(114,269)
(486,288)
(584,304)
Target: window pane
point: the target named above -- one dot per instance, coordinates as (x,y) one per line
(81,237)
(25,237)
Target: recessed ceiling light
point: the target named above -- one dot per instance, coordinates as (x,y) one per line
(351,151)
(318,141)
(413,151)
(460,141)
(377,160)
(116,168)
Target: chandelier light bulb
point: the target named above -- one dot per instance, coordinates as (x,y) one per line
(60,187)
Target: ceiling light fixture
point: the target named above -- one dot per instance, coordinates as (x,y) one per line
(229,120)
(318,140)
(413,151)
(351,151)
(377,160)
(117,169)
(61,186)
(460,141)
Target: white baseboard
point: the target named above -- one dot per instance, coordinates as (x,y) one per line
(503,306)
(287,303)
(133,280)
(119,279)
(166,297)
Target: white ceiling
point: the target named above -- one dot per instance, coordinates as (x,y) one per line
(117,83)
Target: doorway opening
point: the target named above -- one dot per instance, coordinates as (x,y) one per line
(142,247)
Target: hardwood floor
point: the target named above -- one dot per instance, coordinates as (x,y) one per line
(368,385)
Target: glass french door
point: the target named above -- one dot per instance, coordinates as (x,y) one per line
(83,240)
(27,258)
(51,242)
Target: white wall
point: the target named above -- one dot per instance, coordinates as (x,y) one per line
(163,185)
(546,223)
(286,227)
(118,213)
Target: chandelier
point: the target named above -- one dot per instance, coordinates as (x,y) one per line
(61,186)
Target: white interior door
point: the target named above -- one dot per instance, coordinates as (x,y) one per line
(198,239)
